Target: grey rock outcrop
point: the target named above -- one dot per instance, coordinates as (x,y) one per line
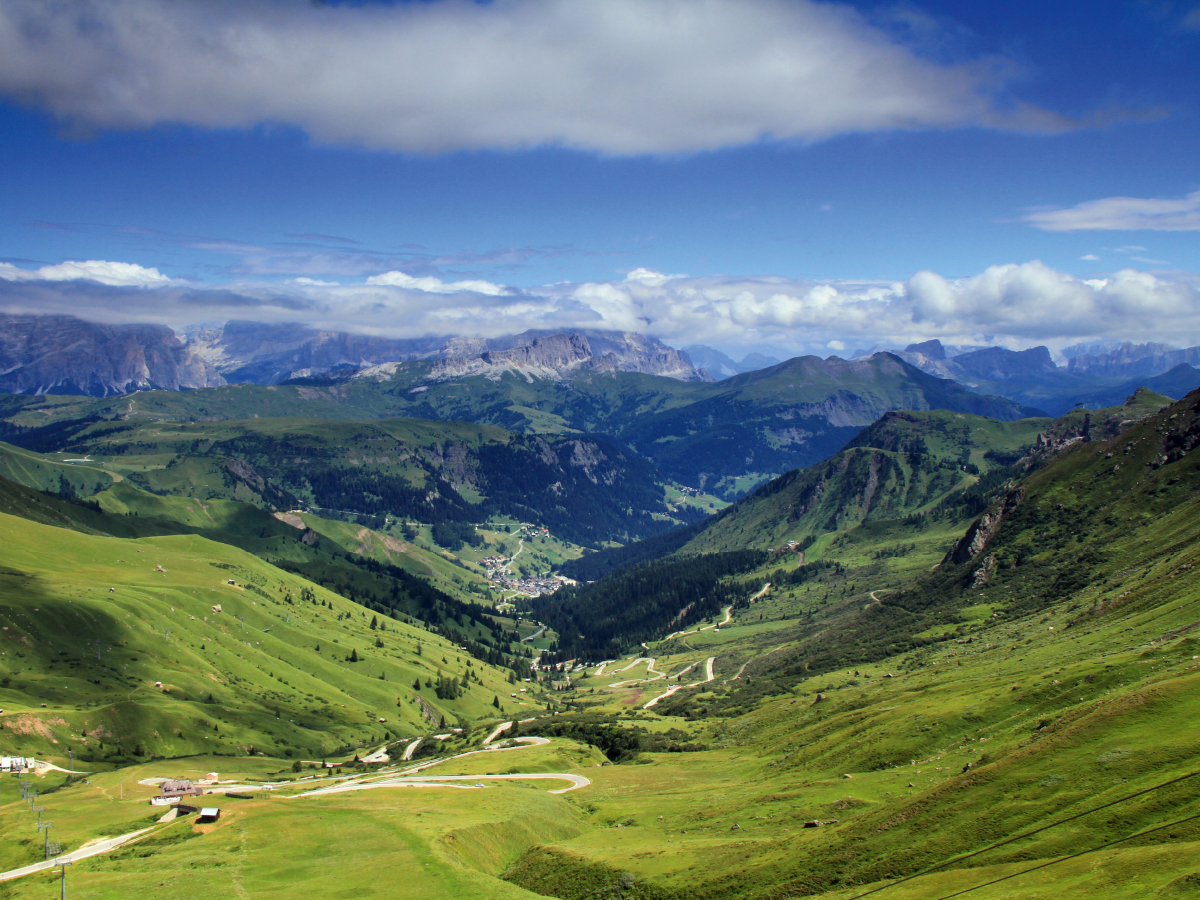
(65,355)
(983,530)
(1129,360)
(555,356)
(268,354)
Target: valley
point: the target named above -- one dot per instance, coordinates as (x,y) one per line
(955,654)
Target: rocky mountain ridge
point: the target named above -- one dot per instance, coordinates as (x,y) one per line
(1129,360)
(553,356)
(65,355)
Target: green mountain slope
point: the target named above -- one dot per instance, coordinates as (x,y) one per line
(725,436)
(403,469)
(1016,722)
(92,623)
(1028,700)
(905,464)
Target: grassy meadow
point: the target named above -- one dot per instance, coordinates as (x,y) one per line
(908,713)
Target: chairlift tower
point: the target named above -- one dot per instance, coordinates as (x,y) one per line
(63,880)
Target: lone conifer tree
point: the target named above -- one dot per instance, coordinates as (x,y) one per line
(496,702)
(353,656)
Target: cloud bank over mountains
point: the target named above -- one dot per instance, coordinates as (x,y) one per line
(619,77)
(1018,305)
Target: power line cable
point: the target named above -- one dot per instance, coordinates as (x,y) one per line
(1055,862)
(1019,837)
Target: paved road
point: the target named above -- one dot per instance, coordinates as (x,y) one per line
(679,687)
(83,853)
(379,756)
(751,659)
(577,782)
(728,618)
(500,729)
(537,634)
(519,744)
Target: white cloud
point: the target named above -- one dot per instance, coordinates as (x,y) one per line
(116,274)
(617,77)
(649,277)
(1018,305)
(1032,302)
(436,285)
(1090,257)
(1122,214)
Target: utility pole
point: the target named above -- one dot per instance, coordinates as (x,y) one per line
(64,863)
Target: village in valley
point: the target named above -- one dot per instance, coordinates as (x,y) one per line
(499,568)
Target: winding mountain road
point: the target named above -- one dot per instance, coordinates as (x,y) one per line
(577,782)
(708,666)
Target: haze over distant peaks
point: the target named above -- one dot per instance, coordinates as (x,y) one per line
(68,355)
(719,366)
(553,355)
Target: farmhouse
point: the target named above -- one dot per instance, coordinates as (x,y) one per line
(180,787)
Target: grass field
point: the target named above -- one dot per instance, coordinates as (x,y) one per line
(1037,720)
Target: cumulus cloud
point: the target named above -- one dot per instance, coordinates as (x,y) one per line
(119,274)
(617,77)
(1122,214)
(1018,305)
(1032,302)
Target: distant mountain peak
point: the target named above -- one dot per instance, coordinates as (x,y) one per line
(931,349)
(555,356)
(65,355)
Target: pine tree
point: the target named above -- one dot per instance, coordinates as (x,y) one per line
(353,656)
(496,702)
(417,684)
(374,623)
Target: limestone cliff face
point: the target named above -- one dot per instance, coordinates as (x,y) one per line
(268,354)
(62,354)
(66,355)
(554,356)
(543,357)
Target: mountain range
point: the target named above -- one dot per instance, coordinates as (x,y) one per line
(964,625)
(66,355)
(718,437)
(1033,378)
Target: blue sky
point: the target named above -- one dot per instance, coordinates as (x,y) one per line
(519,143)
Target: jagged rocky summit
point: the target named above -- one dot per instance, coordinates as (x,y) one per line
(554,356)
(66,355)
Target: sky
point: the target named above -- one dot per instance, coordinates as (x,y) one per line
(780,175)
